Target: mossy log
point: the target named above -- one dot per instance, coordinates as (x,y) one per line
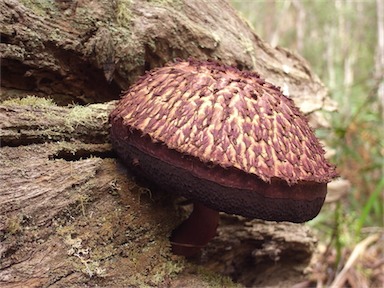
(88,51)
(33,120)
(70,213)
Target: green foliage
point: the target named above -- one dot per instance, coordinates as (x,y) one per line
(371,205)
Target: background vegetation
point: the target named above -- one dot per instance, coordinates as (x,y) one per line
(344,43)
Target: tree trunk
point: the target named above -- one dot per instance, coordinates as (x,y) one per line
(70,214)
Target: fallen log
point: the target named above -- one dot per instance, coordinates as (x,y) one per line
(70,213)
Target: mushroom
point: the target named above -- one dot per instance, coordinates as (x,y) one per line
(224,138)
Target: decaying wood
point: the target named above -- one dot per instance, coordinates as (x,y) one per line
(70,214)
(38,123)
(265,251)
(88,51)
(68,223)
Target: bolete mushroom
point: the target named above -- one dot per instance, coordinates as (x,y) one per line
(224,138)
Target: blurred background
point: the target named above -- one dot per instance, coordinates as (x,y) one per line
(343,41)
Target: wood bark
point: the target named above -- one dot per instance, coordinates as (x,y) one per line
(70,213)
(88,51)
(31,124)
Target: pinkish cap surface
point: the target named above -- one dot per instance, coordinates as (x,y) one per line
(226,117)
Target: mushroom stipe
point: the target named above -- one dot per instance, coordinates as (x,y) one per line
(225,139)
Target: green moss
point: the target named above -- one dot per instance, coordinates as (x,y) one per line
(56,35)
(124,13)
(13,225)
(30,100)
(168,268)
(150,266)
(86,263)
(40,7)
(119,241)
(173,3)
(79,115)
(214,279)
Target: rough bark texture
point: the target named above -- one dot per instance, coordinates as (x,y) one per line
(37,121)
(87,51)
(70,214)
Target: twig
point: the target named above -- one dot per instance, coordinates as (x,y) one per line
(359,249)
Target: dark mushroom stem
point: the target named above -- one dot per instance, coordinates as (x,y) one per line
(195,232)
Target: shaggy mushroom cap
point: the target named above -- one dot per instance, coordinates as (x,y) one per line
(223,137)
